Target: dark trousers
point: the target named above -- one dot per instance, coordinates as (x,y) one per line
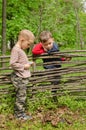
(56,79)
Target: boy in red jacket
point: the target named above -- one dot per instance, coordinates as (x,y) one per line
(48,45)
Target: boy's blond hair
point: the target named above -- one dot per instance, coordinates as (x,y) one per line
(26,34)
(44,36)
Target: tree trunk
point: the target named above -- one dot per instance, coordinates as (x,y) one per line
(3,28)
(79,33)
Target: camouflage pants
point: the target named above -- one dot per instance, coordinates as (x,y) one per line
(20,85)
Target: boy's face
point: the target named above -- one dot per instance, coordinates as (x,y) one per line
(25,44)
(48,44)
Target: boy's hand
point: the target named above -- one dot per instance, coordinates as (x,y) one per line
(68,58)
(45,49)
(31,62)
(27,66)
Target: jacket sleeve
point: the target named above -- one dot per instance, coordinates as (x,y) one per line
(38,49)
(63,59)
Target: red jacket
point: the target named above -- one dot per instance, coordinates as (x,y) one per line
(38,50)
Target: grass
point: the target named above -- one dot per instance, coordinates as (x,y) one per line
(67,107)
(38,126)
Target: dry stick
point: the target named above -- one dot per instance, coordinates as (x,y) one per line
(52,73)
(52,57)
(70,51)
(50,88)
(61,92)
(5,56)
(48,70)
(60,89)
(62,62)
(62,86)
(56,73)
(59,56)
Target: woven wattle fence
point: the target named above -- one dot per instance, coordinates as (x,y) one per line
(72,75)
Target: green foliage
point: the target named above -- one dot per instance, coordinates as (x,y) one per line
(57,16)
(83,25)
(16,18)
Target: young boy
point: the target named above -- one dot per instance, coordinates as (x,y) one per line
(21,71)
(48,45)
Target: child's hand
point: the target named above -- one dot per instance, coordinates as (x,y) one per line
(27,66)
(45,49)
(68,58)
(31,62)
